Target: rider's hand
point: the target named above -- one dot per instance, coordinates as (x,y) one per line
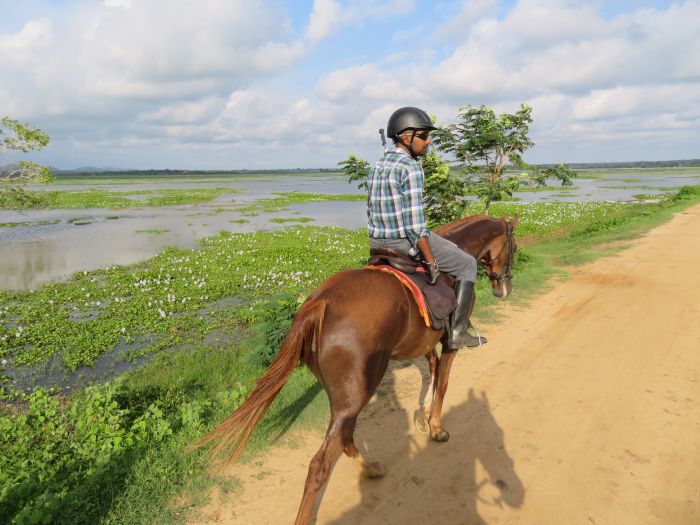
(433,272)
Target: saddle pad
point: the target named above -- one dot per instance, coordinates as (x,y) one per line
(435,309)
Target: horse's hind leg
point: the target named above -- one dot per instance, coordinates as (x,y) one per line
(320,468)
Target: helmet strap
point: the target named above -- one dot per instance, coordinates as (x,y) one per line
(409,146)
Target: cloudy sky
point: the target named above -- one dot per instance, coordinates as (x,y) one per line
(229,84)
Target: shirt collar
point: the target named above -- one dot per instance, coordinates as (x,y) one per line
(399,150)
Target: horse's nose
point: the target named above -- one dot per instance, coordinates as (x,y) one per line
(504,289)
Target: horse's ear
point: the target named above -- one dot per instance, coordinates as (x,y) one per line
(514,221)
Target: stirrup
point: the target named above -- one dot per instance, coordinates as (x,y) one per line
(468,340)
(482,339)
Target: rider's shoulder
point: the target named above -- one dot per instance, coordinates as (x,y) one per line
(401,157)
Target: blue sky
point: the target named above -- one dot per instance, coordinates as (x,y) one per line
(228,84)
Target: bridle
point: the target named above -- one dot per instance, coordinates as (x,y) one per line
(511,252)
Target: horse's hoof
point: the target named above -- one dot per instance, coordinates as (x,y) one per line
(373,471)
(441,436)
(420,420)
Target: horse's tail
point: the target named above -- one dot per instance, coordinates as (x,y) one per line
(232,434)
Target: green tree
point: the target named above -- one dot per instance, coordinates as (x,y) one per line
(355,168)
(561,172)
(444,191)
(483,143)
(17,136)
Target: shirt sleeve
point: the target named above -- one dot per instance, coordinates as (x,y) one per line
(413,208)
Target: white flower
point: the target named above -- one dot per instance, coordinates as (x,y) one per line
(123,329)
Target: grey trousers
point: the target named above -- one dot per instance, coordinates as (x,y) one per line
(451,259)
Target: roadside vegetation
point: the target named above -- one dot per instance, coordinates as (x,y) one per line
(203,324)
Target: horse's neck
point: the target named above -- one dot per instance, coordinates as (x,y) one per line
(471,234)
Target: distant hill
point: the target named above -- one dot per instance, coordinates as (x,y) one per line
(101,172)
(107,172)
(639,164)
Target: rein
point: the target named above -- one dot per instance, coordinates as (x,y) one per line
(508,273)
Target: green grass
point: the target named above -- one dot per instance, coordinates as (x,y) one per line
(282,220)
(286,199)
(114,453)
(17,224)
(538,189)
(118,199)
(153,231)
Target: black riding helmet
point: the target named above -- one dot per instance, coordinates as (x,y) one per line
(408,118)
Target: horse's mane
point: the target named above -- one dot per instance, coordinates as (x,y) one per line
(460,223)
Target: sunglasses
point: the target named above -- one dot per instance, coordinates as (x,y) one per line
(423,135)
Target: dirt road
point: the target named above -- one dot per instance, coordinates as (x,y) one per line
(584,408)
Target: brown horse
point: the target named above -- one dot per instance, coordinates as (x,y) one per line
(346,332)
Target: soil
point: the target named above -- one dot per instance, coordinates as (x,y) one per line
(583,408)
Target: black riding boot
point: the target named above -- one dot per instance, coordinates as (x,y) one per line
(459,320)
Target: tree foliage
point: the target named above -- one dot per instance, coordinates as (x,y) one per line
(444,191)
(561,172)
(480,138)
(355,169)
(483,142)
(483,145)
(18,136)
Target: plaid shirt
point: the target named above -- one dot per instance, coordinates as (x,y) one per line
(395,198)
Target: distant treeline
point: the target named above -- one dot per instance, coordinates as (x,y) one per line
(638,164)
(109,172)
(97,172)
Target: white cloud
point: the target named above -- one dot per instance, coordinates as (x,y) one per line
(190,112)
(238,81)
(468,14)
(552,45)
(326,16)
(604,104)
(329,16)
(106,54)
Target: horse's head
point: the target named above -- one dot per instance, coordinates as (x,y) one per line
(491,242)
(498,255)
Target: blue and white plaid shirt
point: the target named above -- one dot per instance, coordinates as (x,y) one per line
(395,207)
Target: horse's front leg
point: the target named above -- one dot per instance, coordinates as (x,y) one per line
(443,376)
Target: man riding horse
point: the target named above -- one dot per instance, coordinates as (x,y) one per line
(396,216)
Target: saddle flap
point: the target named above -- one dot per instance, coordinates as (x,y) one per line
(435,302)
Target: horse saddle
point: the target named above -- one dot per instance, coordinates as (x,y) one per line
(436,302)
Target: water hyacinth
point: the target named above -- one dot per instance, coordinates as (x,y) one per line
(94,311)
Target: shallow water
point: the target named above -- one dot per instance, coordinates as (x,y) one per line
(48,245)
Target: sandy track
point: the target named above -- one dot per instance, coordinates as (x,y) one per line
(584,408)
